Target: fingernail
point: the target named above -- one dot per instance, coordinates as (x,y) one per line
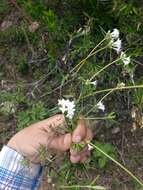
(77,139)
(75,159)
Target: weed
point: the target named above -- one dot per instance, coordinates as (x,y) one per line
(98,157)
(36,113)
(9,102)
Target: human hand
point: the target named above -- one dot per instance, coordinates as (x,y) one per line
(29,140)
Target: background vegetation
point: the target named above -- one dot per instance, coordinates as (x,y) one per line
(41,41)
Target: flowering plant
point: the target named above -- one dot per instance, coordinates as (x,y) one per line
(83,100)
(70,107)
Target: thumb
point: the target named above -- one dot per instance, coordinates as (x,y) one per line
(80,132)
(61,143)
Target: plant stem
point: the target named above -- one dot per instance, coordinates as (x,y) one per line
(96,178)
(97,46)
(81,63)
(99,118)
(93,52)
(100,101)
(83,186)
(116,162)
(106,95)
(106,66)
(112,89)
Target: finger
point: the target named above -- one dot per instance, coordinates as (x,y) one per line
(75,159)
(80,132)
(51,123)
(80,157)
(77,156)
(61,143)
(83,159)
(84,156)
(89,134)
(75,153)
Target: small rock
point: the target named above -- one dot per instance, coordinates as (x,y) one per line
(115,130)
(5,24)
(33,27)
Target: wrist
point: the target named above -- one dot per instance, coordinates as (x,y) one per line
(13,145)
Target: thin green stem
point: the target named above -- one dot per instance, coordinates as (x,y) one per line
(99,118)
(97,46)
(96,178)
(100,101)
(83,186)
(106,95)
(77,101)
(90,54)
(117,163)
(112,89)
(106,66)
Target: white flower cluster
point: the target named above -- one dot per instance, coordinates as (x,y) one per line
(100,106)
(67,107)
(116,44)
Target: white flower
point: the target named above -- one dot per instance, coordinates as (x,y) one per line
(89,147)
(67,107)
(88,82)
(101,106)
(62,105)
(132,76)
(116,45)
(115,42)
(115,34)
(126,60)
(94,83)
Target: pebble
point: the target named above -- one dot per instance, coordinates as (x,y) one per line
(5,25)
(115,130)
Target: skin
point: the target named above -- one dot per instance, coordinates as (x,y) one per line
(28,141)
